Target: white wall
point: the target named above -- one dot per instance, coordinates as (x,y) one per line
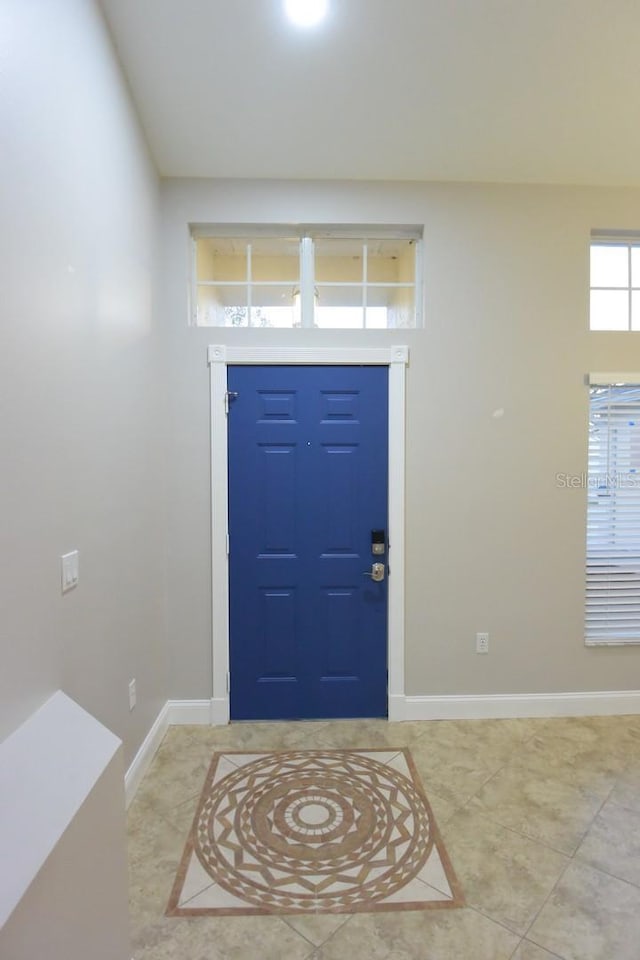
(80,401)
(492,542)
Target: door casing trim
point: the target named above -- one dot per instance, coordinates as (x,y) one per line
(220,357)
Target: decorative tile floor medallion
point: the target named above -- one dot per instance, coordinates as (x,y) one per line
(313,831)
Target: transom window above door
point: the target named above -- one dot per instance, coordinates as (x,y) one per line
(313,277)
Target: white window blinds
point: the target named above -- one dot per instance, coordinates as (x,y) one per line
(613,515)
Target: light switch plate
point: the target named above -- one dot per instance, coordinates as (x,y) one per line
(70,570)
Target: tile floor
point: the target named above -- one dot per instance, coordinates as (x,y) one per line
(541,819)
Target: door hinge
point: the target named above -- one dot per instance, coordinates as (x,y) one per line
(229,395)
(228,682)
(227,544)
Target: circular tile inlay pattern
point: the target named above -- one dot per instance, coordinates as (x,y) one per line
(313,831)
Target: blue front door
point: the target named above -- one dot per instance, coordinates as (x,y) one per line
(307,489)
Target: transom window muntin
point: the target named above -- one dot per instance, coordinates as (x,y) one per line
(615,284)
(338,278)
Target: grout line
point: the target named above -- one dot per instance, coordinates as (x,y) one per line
(546,901)
(520,833)
(555,956)
(593,820)
(606,873)
(484,815)
(488,916)
(319,946)
(572,860)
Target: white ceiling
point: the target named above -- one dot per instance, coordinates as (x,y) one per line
(542,91)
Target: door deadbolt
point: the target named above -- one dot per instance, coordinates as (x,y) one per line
(378,542)
(376,573)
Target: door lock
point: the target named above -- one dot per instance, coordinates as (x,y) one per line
(376,573)
(378,542)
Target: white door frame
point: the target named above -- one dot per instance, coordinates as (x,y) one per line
(219,358)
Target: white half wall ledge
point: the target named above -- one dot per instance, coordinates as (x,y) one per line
(62,825)
(48,768)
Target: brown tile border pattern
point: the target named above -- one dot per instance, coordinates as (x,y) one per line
(313,831)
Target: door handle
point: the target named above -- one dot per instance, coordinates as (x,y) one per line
(376,573)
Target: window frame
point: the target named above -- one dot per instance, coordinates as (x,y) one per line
(629,241)
(306,235)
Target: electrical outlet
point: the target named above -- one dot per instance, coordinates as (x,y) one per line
(70,570)
(482,643)
(132,694)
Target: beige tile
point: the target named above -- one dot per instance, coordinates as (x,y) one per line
(182,815)
(425,935)
(620,732)
(577,731)
(529,951)
(506,876)
(454,771)
(177,740)
(151,839)
(223,938)
(590,916)
(610,742)
(498,739)
(455,758)
(316,929)
(500,736)
(593,767)
(155,849)
(154,939)
(613,842)
(180,735)
(367,734)
(442,808)
(177,773)
(544,808)
(259,736)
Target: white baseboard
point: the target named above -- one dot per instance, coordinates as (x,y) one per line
(188,711)
(140,763)
(173,713)
(496,706)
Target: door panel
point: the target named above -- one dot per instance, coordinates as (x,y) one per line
(278,499)
(307,485)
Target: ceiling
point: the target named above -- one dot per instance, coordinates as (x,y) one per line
(538,91)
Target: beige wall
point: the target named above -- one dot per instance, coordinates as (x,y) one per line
(81,415)
(492,542)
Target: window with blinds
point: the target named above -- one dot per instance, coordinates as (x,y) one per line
(613,515)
